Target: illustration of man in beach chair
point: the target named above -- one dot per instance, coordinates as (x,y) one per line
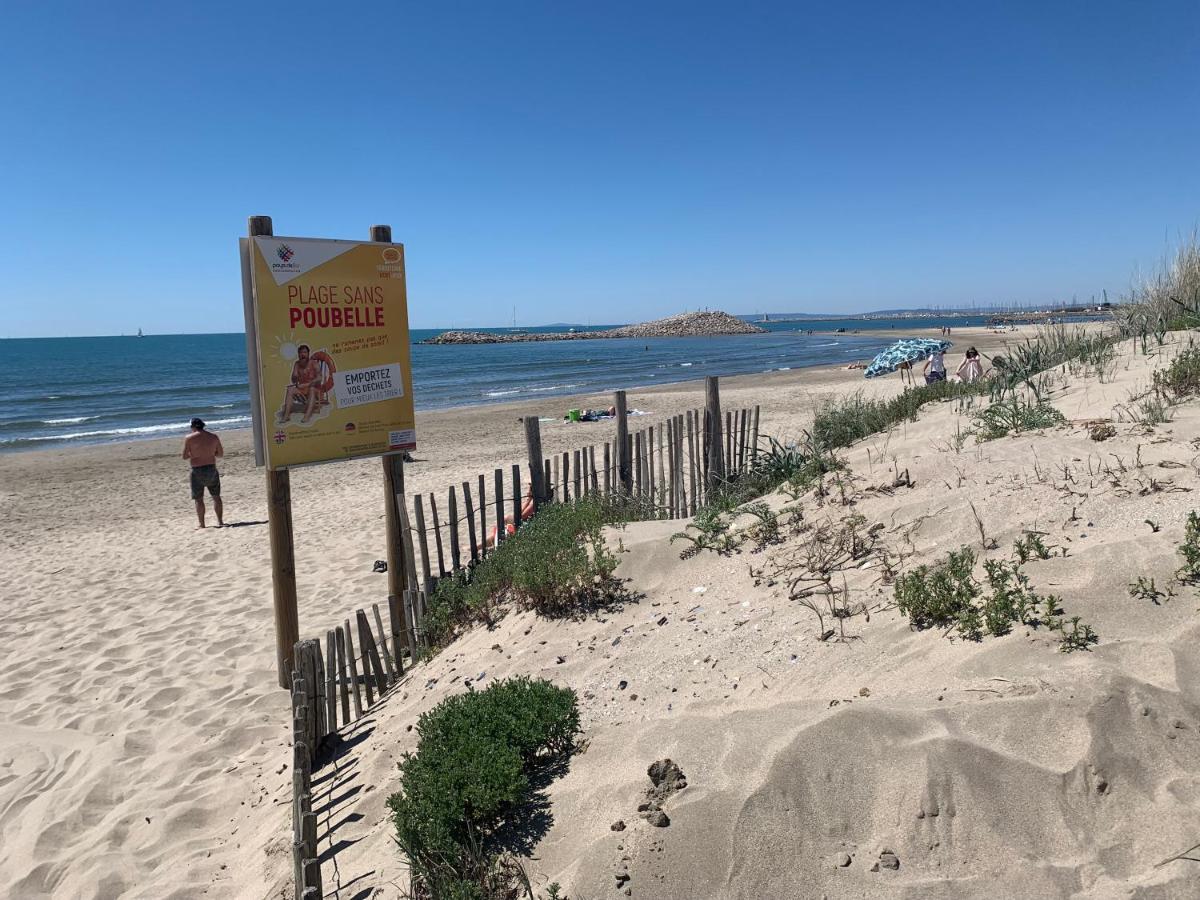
(312,380)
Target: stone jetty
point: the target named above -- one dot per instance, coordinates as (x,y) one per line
(690,324)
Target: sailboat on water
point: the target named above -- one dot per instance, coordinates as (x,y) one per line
(139,334)
(515,329)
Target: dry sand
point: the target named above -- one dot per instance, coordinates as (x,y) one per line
(145,746)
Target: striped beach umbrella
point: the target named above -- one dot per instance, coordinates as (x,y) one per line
(907,350)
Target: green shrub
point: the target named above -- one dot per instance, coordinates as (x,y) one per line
(946,595)
(941,594)
(1182,377)
(556,564)
(1013,416)
(470,779)
(1190,549)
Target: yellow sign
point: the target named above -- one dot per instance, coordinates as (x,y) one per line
(330,333)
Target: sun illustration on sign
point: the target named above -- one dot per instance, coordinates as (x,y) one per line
(287,348)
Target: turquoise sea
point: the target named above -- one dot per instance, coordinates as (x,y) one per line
(94,389)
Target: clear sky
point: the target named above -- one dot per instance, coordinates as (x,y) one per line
(593,162)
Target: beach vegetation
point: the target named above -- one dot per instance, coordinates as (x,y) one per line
(1013,416)
(947,595)
(1078,637)
(1181,378)
(1145,589)
(1190,550)
(472,794)
(1030,546)
(556,564)
(1169,299)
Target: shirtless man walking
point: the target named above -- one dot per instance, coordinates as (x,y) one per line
(202,448)
(305,374)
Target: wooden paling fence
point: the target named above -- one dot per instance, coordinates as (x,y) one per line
(329,692)
(669,470)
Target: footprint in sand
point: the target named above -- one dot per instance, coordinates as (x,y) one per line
(937,810)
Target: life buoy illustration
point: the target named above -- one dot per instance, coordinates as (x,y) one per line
(325,361)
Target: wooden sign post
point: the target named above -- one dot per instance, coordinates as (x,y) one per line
(283,551)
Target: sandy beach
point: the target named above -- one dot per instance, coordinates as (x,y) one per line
(146,744)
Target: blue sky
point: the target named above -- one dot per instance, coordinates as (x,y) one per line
(593,162)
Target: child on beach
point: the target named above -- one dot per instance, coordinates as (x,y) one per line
(971,369)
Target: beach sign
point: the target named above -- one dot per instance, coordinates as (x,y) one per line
(330,366)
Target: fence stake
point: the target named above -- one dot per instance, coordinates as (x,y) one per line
(483,547)
(423,539)
(343,680)
(358,707)
(533,448)
(715,465)
(498,476)
(624,471)
(466,491)
(437,536)
(455,549)
(516,503)
(387,657)
(754,439)
(370,654)
(331,682)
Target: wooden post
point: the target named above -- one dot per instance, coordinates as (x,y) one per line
(669,475)
(483,547)
(466,486)
(664,467)
(691,443)
(414,636)
(283,551)
(498,477)
(730,463)
(455,548)
(548,485)
(579,483)
(754,439)
(387,657)
(566,476)
(406,543)
(372,667)
(331,680)
(554,489)
(423,539)
(343,680)
(592,466)
(533,449)
(607,467)
(650,484)
(624,472)
(712,415)
(637,463)
(516,503)
(354,688)
(437,536)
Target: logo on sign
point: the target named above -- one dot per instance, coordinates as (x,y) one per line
(280,437)
(285,252)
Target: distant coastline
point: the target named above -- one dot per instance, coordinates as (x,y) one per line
(690,324)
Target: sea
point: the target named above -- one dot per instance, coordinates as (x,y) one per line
(79,390)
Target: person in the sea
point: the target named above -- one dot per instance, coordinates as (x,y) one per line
(970,369)
(935,367)
(305,374)
(201,448)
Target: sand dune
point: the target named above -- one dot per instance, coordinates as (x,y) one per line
(145,747)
